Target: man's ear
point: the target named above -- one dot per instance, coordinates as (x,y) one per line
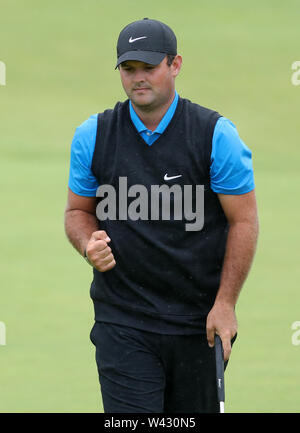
(176,65)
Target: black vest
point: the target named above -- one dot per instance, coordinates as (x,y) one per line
(166,277)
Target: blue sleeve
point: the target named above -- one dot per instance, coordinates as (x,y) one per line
(81,179)
(231,168)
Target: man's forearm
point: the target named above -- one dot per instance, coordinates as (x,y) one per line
(79,226)
(240,250)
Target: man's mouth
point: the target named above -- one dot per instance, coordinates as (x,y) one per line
(138,89)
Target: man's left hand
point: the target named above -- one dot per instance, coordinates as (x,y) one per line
(221,320)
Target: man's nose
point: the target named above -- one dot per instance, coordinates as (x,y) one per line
(139,76)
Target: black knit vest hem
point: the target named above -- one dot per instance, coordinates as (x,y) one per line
(160,324)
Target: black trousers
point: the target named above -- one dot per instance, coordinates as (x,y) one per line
(145,372)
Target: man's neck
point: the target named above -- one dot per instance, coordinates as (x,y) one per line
(151,118)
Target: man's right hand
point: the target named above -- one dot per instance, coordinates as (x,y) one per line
(99,253)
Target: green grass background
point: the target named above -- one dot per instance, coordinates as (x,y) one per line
(60,59)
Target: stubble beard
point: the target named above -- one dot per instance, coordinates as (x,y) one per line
(148,105)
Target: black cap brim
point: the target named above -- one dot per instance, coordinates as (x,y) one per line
(151,57)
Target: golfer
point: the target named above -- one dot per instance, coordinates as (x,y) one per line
(161,204)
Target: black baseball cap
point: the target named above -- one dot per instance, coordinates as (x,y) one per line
(147,41)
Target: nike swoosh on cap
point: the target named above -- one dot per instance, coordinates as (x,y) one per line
(166,177)
(136,39)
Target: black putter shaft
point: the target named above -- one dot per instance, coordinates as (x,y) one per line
(220,371)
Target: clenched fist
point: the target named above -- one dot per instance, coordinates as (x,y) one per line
(99,253)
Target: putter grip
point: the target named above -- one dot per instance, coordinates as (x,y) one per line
(219,368)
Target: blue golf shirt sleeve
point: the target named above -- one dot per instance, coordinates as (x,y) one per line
(231,169)
(81,179)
